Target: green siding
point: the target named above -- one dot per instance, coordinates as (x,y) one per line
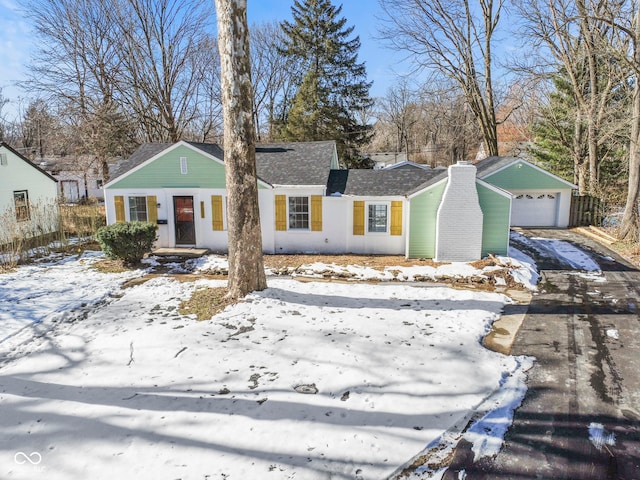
(422,222)
(495,225)
(521,176)
(164,172)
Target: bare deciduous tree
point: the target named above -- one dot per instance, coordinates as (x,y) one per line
(399,107)
(455,39)
(246,268)
(433,120)
(76,60)
(626,20)
(571,34)
(3,122)
(161,44)
(154,59)
(273,76)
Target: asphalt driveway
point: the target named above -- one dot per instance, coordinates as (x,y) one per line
(581,416)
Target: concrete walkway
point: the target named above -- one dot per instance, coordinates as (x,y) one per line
(581,416)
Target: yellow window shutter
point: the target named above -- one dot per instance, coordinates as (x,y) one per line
(396,218)
(118,201)
(217,221)
(281,212)
(358,217)
(316,213)
(152,209)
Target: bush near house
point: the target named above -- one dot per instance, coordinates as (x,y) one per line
(127,241)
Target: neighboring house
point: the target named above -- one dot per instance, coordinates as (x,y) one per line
(78,178)
(28,196)
(385,159)
(308,204)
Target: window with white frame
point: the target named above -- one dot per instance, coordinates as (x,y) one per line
(378,218)
(299,213)
(138,209)
(21,205)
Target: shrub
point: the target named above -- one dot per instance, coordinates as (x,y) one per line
(127,241)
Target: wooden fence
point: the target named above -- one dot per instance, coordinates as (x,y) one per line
(586,210)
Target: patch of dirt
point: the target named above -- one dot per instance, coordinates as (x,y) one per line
(206,302)
(629,251)
(111,266)
(379,262)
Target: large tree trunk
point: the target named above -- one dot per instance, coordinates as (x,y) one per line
(630,227)
(246,268)
(579,165)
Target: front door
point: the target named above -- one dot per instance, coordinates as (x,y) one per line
(184,221)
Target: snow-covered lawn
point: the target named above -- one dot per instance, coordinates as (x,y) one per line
(306,380)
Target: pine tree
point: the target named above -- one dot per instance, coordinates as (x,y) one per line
(555,132)
(332,90)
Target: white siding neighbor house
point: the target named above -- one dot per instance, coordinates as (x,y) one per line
(28,196)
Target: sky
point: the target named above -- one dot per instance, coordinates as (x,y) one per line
(17,42)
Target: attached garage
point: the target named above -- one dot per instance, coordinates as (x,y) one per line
(540,199)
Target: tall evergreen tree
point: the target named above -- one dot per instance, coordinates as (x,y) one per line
(333,89)
(555,132)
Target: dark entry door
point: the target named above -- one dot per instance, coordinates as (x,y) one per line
(184,221)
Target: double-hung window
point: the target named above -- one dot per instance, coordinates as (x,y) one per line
(138,209)
(21,205)
(378,218)
(299,213)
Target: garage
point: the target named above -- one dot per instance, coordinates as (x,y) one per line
(539,198)
(534,209)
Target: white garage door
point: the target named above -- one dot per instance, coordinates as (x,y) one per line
(534,209)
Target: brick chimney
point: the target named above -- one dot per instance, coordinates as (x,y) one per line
(459,223)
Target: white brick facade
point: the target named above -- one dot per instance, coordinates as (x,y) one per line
(459,222)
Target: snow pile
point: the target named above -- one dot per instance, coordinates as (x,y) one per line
(312,380)
(487,434)
(523,268)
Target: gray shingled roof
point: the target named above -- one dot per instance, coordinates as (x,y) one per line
(211,148)
(302,163)
(383,183)
(491,164)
